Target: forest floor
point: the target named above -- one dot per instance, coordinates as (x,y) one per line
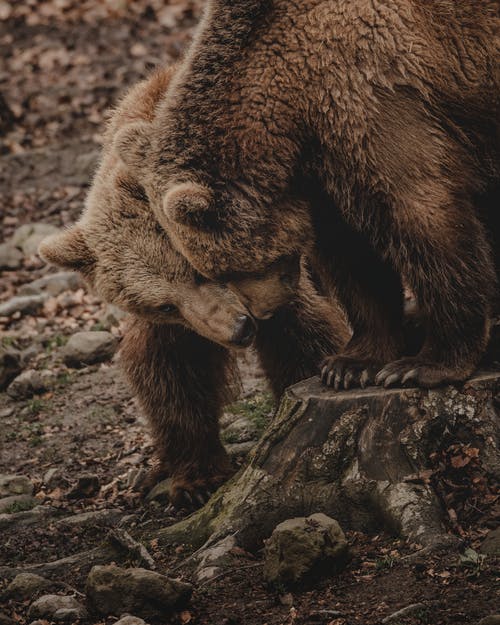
(63,63)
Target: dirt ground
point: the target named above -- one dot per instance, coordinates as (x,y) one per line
(63,63)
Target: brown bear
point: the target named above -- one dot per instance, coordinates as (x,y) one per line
(384,117)
(178,350)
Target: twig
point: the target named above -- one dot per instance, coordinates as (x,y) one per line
(229,572)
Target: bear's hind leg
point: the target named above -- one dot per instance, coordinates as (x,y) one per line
(182,382)
(450,268)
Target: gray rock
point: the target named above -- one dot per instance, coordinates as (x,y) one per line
(27,517)
(70,615)
(29,236)
(240,431)
(112,590)
(303,546)
(92,518)
(491,544)
(47,606)
(24,586)
(87,348)
(53,284)
(130,620)
(16,503)
(27,384)
(87,485)
(214,558)
(237,450)
(15,485)
(10,366)
(10,256)
(494,619)
(24,304)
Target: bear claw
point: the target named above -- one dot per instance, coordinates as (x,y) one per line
(416,372)
(343,373)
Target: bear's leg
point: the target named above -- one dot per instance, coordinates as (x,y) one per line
(370,291)
(449,266)
(292,343)
(182,382)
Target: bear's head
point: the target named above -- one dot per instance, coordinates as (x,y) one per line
(227,235)
(128,258)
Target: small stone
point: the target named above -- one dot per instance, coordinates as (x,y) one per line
(491,544)
(24,586)
(87,348)
(130,620)
(15,485)
(113,590)
(23,304)
(17,503)
(10,257)
(88,485)
(303,546)
(494,619)
(29,236)
(47,606)
(54,284)
(10,366)
(27,384)
(53,477)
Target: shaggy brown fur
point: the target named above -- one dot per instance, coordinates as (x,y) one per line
(392,106)
(174,352)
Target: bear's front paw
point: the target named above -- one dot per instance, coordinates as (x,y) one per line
(418,372)
(190,494)
(344,372)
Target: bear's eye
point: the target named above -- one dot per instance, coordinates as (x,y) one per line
(167,308)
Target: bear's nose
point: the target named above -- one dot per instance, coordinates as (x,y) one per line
(244,331)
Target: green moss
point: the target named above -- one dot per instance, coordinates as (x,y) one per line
(56,341)
(36,405)
(19,506)
(257,409)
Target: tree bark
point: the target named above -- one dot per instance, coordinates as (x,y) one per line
(356,455)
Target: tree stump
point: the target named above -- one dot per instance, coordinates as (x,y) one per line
(358,456)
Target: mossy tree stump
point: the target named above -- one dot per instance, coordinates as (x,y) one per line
(356,456)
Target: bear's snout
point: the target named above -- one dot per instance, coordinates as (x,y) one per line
(244,331)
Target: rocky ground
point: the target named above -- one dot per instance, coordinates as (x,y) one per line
(73,444)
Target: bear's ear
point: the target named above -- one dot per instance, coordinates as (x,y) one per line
(132,144)
(190,204)
(67,249)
